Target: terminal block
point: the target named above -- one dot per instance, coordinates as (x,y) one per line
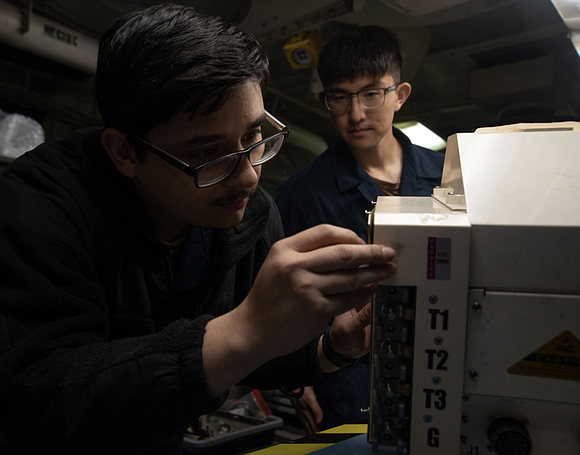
(391,372)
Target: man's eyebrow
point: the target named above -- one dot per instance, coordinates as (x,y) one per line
(260,120)
(200,140)
(366,87)
(204,139)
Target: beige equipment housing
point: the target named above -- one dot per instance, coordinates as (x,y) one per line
(475,340)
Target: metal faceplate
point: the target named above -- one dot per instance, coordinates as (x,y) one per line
(418,327)
(523,364)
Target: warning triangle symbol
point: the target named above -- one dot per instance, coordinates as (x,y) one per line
(566,345)
(559,358)
(563,343)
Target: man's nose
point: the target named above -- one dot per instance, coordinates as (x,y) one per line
(244,176)
(356,113)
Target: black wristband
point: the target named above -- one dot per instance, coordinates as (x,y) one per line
(291,393)
(334,357)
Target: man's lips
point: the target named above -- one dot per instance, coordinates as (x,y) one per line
(236,201)
(359,131)
(235,205)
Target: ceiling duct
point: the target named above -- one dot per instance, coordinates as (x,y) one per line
(270,21)
(51,40)
(95,16)
(420,7)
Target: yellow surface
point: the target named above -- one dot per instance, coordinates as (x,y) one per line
(358,428)
(291,449)
(306,448)
(557,359)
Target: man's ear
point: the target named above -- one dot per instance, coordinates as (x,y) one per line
(120,151)
(403,92)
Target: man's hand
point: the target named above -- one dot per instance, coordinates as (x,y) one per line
(308,410)
(350,334)
(306,280)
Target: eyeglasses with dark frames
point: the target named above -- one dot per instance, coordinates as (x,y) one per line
(370,98)
(214,171)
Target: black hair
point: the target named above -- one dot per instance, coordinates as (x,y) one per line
(161,60)
(370,51)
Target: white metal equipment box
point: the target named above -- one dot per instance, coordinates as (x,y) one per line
(475,340)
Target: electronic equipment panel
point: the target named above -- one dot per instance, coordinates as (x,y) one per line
(475,340)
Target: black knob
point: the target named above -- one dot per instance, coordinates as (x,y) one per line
(509,436)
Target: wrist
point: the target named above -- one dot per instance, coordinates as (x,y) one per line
(331,355)
(248,336)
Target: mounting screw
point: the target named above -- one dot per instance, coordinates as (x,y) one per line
(438,341)
(476,306)
(427,418)
(436,380)
(433,299)
(472,375)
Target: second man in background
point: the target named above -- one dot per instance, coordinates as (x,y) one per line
(361,75)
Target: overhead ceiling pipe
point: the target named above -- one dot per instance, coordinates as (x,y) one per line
(47,38)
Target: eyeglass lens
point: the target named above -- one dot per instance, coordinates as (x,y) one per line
(258,155)
(371,98)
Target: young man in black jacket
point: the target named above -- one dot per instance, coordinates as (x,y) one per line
(142,268)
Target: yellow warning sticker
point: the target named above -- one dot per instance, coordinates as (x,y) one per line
(557,359)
